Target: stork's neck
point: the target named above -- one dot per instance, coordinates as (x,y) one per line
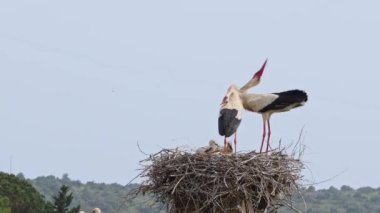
(251,83)
(234,103)
(244,96)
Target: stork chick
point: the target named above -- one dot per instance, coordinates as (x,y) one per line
(211,148)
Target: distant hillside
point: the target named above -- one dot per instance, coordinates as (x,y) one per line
(343,200)
(109,196)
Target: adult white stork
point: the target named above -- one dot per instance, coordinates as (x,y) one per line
(232,107)
(267,104)
(230,114)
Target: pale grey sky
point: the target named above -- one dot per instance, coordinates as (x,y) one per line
(82,81)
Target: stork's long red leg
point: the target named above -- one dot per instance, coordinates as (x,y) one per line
(262,141)
(269,132)
(225,144)
(235,140)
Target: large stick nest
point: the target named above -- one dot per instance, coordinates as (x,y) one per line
(241,182)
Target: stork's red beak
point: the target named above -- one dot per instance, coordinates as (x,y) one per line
(259,73)
(224,101)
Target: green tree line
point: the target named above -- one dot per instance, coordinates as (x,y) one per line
(19,196)
(108,196)
(52,194)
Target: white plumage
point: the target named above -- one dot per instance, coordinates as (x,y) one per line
(96,210)
(256,102)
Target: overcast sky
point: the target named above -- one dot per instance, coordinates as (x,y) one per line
(82,81)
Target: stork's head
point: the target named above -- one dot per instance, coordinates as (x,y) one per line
(259,73)
(232,97)
(255,80)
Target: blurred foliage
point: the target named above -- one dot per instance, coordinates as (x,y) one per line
(4,205)
(20,196)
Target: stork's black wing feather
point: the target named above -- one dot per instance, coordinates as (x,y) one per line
(228,122)
(285,99)
(221,124)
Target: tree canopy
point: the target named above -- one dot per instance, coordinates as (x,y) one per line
(20,195)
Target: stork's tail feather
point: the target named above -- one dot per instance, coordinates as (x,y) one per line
(287,100)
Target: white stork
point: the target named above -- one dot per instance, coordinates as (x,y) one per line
(96,210)
(230,114)
(232,107)
(267,104)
